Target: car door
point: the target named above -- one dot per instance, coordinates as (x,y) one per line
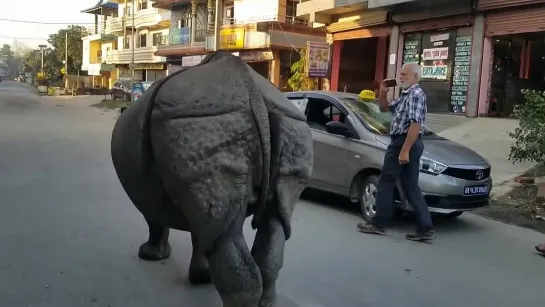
(330,151)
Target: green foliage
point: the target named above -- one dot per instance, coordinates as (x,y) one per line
(75,46)
(299,80)
(530,134)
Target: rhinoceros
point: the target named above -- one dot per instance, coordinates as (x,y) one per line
(202,150)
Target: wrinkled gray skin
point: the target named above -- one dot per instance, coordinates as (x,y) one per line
(202,150)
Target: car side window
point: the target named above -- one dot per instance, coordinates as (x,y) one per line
(320,112)
(299,102)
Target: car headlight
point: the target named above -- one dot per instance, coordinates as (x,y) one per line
(430,166)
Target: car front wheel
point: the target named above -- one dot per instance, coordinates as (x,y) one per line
(368,198)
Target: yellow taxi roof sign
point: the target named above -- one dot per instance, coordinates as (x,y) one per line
(367,94)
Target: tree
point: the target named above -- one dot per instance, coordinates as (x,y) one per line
(75,46)
(299,80)
(529,136)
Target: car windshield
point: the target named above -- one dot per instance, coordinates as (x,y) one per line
(368,112)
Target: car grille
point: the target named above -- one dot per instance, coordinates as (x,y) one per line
(457,202)
(467,174)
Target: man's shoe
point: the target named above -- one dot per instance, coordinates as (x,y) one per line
(370,228)
(421,236)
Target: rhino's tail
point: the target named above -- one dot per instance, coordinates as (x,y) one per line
(261,117)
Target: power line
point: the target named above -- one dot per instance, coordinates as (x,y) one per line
(29,38)
(46,23)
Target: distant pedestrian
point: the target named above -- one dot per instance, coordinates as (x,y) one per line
(402,159)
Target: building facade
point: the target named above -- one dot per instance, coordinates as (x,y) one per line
(120,26)
(265,33)
(513,53)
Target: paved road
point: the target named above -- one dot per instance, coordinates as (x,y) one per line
(69,236)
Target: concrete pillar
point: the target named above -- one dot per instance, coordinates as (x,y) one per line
(380,65)
(282,10)
(486,70)
(399,62)
(193,19)
(274,68)
(477,45)
(336,65)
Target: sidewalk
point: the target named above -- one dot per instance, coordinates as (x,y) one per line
(489,138)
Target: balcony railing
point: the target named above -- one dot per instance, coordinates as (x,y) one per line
(183,36)
(141,55)
(288,19)
(149,17)
(114,25)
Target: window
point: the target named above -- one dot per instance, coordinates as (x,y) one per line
(126,42)
(229,15)
(320,112)
(185,22)
(143,40)
(142,4)
(158,39)
(128,10)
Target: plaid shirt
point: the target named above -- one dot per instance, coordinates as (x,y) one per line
(409,107)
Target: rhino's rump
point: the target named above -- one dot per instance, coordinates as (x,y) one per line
(210,167)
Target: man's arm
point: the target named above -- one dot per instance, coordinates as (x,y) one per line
(417,103)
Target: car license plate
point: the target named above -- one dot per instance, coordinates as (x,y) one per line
(476,190)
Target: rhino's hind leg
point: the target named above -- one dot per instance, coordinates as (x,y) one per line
(157,246)
(199,270)
(268,252)
(234,271)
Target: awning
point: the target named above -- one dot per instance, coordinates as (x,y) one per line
(98,8)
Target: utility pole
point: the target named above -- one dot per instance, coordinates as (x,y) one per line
(66,54)
(133,43)
(42,50)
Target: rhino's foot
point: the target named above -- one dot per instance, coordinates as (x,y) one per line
(157,252)
(269,296)
(199,276)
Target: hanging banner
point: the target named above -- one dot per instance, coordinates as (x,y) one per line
(317,59)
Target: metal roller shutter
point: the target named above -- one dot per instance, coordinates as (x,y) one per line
(519,21)
(483,5)
(365,20)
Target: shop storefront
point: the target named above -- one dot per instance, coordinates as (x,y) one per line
(513,56)
(445,57)
(269,50)
(150,72)
(360,51)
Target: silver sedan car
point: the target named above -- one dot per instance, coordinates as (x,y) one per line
(350,137)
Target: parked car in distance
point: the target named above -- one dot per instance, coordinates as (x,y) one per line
(350,137)
(122,89)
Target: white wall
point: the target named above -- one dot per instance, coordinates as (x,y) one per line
(247,11)
(85,56)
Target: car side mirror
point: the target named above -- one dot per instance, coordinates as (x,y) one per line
(338,128)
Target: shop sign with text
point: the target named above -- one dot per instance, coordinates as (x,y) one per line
(149,66)
(232,38)
(188,61)
(433,54)
(317,59)
(435,72)
(256,56)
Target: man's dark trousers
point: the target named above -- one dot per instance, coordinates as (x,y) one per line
(408,175)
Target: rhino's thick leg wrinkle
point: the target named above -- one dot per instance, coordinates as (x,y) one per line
(234,271)
(157,246)
(268,252)
(199,270)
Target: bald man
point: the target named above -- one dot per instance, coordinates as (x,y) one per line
(402,159)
